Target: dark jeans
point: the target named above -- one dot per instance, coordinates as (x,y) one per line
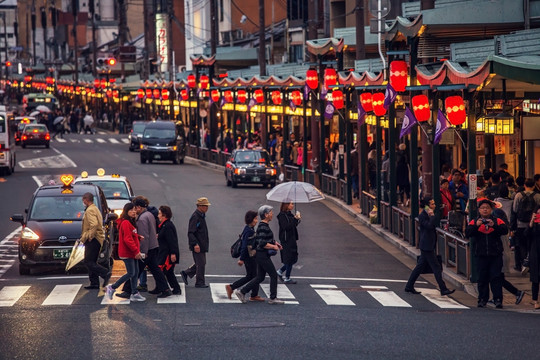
(132,268)
(286,270)
(197,269)
(508,286)
(251,272)
(489,274)
(522,247)
(264,266)
(91,253)
(171,278)
(427,258)
(534,290)
(151,261)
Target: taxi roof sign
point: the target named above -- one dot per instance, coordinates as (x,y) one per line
(67,179)
(100,172)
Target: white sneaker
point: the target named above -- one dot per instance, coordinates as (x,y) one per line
(137,297)
(240,296)
(276,301)
(109,291)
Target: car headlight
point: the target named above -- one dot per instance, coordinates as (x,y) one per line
(129,136)
(172,148)
(117,212)
(144,147)
(28,234)
(271,172)
(240,171)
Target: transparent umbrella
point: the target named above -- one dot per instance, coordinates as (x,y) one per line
(295,191)
(43,108)
(76,256)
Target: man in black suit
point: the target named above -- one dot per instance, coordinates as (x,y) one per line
(428,241)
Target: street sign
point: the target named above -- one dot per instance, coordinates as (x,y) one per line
(472,186)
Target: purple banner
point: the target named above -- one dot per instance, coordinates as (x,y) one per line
(292,106)
(361,114)
(251,103)
(389,96)
(442,125)
(329,110)
(409,120)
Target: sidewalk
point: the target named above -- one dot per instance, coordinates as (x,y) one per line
(407,255)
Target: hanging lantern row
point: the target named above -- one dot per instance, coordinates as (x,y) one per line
(455,110)
(398,75)
(420,104)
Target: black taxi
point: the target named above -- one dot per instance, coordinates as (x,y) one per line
(250,166)
(53,224)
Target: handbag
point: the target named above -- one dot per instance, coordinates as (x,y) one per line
(272,252)
(236,247)
(427,269)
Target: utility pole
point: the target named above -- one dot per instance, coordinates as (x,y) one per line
(147,33)
(44,26)
(74,10)
(262,41)
(33,17)
(360,41)
(92,8)
(213,27)
(122,32)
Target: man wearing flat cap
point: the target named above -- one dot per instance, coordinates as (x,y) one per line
(198,244)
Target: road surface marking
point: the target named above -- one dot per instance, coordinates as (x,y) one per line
(219,294)
(62,295)
(60,140)
(444,302)
(373,287)
(88,141)
(283,293)
(9,295)
(100,140)
(389,298)
(115,300)
(175,299)
(114,141)
(332,297)
(125,141)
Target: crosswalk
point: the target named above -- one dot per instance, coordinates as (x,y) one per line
(8,251)
(92,140)
(329,294)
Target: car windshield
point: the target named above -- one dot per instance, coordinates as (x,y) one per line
(138,128)
(158,134)
(54,208)
(116,190)
(251,156)
(35,129)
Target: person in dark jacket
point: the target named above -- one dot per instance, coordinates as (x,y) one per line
(247,260)
(198,244)
(288,236)
(534,255)
(265,244)
(428,241)
(485,233)
(169,254)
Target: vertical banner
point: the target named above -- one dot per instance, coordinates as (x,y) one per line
(514,143)
(162,31)
(499,142)
(480,143)
(472,186)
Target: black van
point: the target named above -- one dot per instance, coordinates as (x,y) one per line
(163,140)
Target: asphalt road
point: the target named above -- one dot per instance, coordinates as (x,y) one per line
(349,302)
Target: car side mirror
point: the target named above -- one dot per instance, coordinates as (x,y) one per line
(17,218)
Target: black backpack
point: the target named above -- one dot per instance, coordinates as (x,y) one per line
(526,207)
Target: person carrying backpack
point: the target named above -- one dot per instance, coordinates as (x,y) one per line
(248,234)
(522,210)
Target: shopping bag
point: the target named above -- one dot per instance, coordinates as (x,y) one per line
(77,255)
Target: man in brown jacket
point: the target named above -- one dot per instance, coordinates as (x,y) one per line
(92,237)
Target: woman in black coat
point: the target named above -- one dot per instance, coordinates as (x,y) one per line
(534,255)
(168,255)
(288,235)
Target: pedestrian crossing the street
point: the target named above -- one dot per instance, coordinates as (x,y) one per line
(92,140)
(329,294)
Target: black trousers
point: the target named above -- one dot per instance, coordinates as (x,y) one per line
(489,275)
(522,246)
(151,261)
(264,266)
(508,286)
(91,253)
(197,269)
(171,278)
(251,272)
(427,258)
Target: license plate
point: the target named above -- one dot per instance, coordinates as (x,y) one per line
(157,156)
(61,253)
(255,179)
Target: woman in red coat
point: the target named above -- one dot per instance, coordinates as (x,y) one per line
(129,251)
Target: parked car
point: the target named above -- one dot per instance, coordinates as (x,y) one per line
(21,122)
(249,166)
(137,130)
(35,134)
(163,140)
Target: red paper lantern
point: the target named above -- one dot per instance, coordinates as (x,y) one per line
(148,93)
(276,97)
(109,93)
(96,82)
(330,77)
(259,96)
(337,99)
(140,93)
(455,110)
(184,94)
(241,96)
(156,93)
(421,110)
(378,104)
(366,101)
(203,81)
(103,83)
(296,97)
(228,96)
(191,81)
(398,75)
(312,79)
(165,94)
(215,95)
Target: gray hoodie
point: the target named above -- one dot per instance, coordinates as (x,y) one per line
(146,226)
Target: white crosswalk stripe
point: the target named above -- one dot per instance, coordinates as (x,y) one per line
(88,141)
(100,140)
(66,295)
(125,141)
(60,140)
(114,141)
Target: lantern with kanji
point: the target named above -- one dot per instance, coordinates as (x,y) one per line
(140,93)
(296,97)
(421,110)
(259,96)
(165,94)
(241,96)
(184,94)
(366,101)
(276,97)
(191,81)
(148,93)
(228,96)
(214,94)
(330,77)
(378,104)
(398,75)
(156,93)
(337,99)
(455,110)
(203,82)
(312,79)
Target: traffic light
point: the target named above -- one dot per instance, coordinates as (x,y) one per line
(111,61)
(8,63)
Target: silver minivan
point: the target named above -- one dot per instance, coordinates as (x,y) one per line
(7,144)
